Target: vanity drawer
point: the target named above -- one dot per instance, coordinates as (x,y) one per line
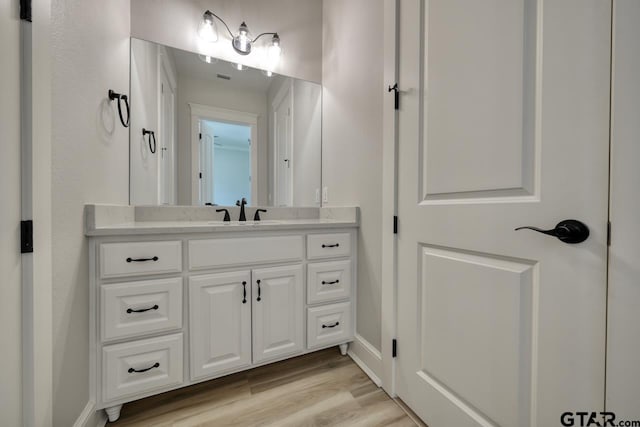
(214,253)
(328,281)
(138,258)
(328,245)
(328,324)
(141,366)
(136,308)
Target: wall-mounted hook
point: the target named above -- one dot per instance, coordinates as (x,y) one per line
(152,147)
(119,97)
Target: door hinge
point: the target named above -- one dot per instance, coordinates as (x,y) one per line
(25,10)
(394,348)
(395,224)
(26,237)
(608,233)
(396,95)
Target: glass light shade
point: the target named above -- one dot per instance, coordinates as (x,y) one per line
(242,42)
(207,29)
(273,53)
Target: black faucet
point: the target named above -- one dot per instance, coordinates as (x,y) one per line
(256,217)
(243,216)
(227,218)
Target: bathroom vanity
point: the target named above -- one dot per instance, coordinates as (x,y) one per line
(177,299)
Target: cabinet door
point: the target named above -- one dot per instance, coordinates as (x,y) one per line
(220,323)
(277,312)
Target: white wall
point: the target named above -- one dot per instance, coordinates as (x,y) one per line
(191,90)
(144,114)
(90,51)
(307,142)
(352,76)
(145,109)
(174,23)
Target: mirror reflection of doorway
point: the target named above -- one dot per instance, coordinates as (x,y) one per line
(225,162)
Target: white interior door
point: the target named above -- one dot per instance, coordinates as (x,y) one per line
(283,151)
(623,338)
(504,123)
(10,265)
(206,163)
(166,169)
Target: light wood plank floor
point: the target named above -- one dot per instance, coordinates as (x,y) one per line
(317,389)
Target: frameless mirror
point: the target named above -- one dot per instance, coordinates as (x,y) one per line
(207,131)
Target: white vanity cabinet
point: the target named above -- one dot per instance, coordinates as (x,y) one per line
(173,309)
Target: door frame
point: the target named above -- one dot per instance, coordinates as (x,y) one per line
(389,284)
(36,204)
(216,114)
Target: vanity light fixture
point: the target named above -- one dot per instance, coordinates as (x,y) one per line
(241,42)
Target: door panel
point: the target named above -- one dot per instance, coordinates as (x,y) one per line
(10,263)
(166,168)
(480,111)
(220,323)
(283,147)
(277,312)
(503,123)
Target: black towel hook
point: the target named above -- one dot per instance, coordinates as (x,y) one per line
(152,134)
(112,96)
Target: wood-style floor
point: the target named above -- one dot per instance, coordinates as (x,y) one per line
(318,389)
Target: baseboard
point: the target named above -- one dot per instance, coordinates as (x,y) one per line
(367,357)
(89,417)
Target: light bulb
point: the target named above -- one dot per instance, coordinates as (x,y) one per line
(273,53)
(242,42)
(207,28)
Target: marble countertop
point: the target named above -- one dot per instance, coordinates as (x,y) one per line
(110,220)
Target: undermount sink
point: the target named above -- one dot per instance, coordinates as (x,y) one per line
(238,223)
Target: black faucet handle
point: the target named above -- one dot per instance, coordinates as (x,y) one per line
(256,217)
(227,217)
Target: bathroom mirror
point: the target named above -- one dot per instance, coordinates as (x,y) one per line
(207,131)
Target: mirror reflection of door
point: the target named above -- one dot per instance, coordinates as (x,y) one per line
(166,169)
(225,162)
(283,147)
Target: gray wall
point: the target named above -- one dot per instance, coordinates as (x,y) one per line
(298,22)
(90,51)
(353,91)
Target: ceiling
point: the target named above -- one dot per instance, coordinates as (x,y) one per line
(189,64)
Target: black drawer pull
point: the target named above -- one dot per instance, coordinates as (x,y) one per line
(155,258)
(335,245)
(331,326)
(259,297)
(155,365)
(331,283)
(244,292)
(131,310)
